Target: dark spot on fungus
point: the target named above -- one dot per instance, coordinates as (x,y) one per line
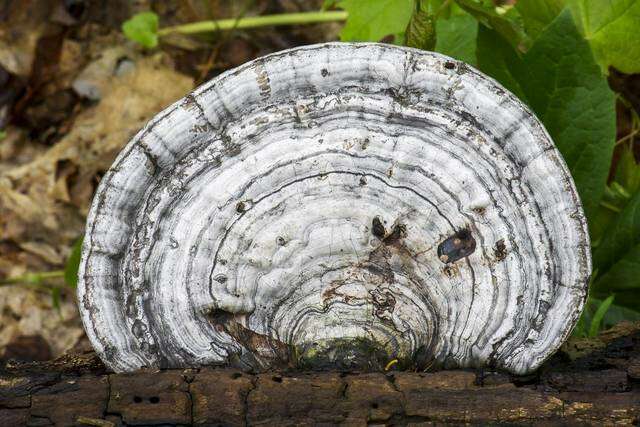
(500,250)
(219,317)
(220,278)
(449,65)
(397,232)
(383,301)
(363,181)
(240,207)
(137,399)
(377,228)
(374,405)
(281,241)
(449,271)
(324,72)
(479,210)
(154,399)
(277,379)
(460,245)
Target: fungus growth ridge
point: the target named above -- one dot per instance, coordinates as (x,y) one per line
(337,206)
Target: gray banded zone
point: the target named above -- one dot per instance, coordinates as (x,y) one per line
(362,116)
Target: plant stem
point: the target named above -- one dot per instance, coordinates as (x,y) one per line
(32,278)
(256,21)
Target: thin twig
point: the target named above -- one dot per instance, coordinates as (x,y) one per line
(216,50)
(627,137)
(257,21)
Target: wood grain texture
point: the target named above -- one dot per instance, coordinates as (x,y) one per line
(337,205)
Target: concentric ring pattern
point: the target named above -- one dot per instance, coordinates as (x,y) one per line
(337,205)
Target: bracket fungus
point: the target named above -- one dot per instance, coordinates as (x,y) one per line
(337,205)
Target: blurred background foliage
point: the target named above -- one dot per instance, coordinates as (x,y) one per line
(78,78)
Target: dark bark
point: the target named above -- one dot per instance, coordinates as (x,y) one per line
(588,382)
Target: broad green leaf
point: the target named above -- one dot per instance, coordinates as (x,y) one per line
(499,60)
(142,28)
(622,278)
(621,240)
(611,204)
(613,29)
(596,321)
(372,20)
(73,263)
(537,14)
(561,82)
(456,37)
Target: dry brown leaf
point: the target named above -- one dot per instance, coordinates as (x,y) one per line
(44,200)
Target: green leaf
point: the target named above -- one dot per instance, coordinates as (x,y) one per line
(594,328)
(611,204)
(621,237)
(372,20)
(73,264)
(506,24)
(328,4)
(142,28)
(561,82)
(456,37)
(613,29)
(499,60)
(622,278)
(421,31)
(537,14)
(615,314)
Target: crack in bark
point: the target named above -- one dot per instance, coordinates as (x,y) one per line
(254,385)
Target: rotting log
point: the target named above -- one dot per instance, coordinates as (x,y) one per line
(593,382)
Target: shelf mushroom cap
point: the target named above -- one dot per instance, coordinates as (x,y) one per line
(337,206)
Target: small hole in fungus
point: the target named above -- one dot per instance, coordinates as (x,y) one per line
(449,65)
(277,379)
(154,399)
(236,375)
(374,405)
(137,399)
(240,207)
